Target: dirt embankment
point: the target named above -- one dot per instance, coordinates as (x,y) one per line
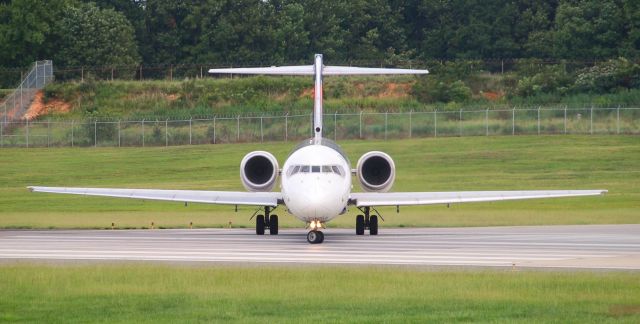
(38,107)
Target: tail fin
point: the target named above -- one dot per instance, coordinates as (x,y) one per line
(317,70)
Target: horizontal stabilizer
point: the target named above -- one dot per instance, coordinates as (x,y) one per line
(308,70)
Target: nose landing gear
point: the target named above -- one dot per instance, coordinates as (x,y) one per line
(315,237)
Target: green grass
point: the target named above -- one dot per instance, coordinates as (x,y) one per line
(441,164)
(157,293)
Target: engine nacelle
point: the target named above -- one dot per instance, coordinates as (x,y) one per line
(259,171)
(376,171)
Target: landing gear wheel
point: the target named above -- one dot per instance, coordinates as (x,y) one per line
(260,224)
(315,237)
(360,225)
(273,225)
(373,225)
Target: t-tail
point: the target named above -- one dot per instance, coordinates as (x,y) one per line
(318,70)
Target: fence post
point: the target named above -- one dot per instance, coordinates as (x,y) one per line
(27,133)
(538,120)
(1,134)
(140,72)
(335,126)
(166,132)
(591,122)
(565,119)
(286,127)
(513,121)
(618,120)
(72,122)
(48,132)
(143,132)
(119,138)
(410,122)
(112,74)
(435,123)
(171,72)
(386,113)
(360,124)
(238,130)
(460,122)
(95,133)
(190,120)
(261,132)
(214,129)
(486,121)
(82,74)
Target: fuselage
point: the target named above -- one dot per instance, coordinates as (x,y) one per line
(316,181)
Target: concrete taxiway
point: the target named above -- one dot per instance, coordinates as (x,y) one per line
(589,246)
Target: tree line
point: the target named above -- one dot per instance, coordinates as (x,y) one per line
(245,32)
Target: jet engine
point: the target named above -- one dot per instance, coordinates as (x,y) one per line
(376,171)
(259,171)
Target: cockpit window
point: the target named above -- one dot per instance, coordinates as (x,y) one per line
(337,169)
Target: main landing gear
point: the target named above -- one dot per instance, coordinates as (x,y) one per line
(315,236)
(267,221)
(366,221)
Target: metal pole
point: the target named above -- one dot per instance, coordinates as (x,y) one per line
(410,122)
(385,125)
(238,130)
(486,121)
(190,121)
(72,126)
(119,131)
(335,126)
(166,132)
(1,134)
(591,122)
(513,121)
(618,120)
(27,133)
(565,119)
(286,127)
(95,133)
(460,122)
(435,123)
(261,132)
(82,74)
(214,129)
(538,120)
(111,73)
(360,124)
(142,132)
(48,132)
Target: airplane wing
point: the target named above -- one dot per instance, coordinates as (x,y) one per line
(198,196)
(370,199)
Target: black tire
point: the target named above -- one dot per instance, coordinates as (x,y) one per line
(360,225)
(313,237)
(373,225)
(260,224)
(320,237)
(273,225)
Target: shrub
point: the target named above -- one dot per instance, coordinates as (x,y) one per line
(430,90)
(615,73)
(551,79)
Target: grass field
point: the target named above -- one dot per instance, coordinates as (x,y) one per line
(442,164)
(157,293)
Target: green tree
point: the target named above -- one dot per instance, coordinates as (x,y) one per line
(587,29)
(90,36)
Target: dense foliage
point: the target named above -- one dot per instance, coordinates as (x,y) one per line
(111,32)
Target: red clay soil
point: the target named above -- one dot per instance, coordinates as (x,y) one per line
(39,108)
(492,96)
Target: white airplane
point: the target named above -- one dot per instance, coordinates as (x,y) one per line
(316,177)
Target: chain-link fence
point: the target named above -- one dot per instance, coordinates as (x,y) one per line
(364,125)
(15,105)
